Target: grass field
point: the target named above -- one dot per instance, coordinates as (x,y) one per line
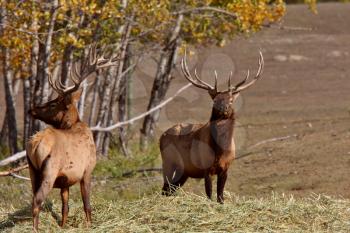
(192,213)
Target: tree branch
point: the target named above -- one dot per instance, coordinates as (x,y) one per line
(272,140)
(17,169)
(132,120)
(206,8)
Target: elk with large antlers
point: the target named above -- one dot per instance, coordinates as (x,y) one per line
(203,150)
(61,156)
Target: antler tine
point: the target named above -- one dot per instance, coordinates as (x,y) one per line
(54,85)
(88,65)
(240,87)
(75,74)
(216,81)
(229,81)
(243,81)
(60,84)
(186,73)
(92,54)
(201,81)
(195,81)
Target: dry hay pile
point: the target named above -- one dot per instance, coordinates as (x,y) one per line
(191,213)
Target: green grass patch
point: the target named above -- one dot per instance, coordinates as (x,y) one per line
(117,165)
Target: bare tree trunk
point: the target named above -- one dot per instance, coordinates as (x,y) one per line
(66,63)
(161,83)
(104,107)
(116,84)
(34,81)
(94,101)
(10,103)
(43,52)
(4,128)
(4,132)
(125,30)
(81,105)
(10,118)
(47,53)
(123,108)
(26,103)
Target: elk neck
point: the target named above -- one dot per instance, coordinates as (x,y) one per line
(221,132)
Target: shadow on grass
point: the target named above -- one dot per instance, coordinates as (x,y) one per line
(25,215)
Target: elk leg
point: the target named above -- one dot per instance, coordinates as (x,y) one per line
(181,181)
(85,186)
(166,189)
(168,172)
(222,176)
(34,178)
(65,207)
(208,185)
(45,187)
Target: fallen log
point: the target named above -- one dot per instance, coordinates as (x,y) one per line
(13,158)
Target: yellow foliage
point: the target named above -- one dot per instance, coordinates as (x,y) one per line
(152,21)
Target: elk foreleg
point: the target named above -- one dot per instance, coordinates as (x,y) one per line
(222,176)
(65,207)
(85,186)
(208,185)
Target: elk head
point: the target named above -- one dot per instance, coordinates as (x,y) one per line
(222,100)
(62,112)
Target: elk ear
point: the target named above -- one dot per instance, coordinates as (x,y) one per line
(76,95)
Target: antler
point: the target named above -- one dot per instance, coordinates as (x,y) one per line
(89,65)
(196,81)
(243,85)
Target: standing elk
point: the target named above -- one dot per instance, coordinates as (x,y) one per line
(61,156)
(203,150)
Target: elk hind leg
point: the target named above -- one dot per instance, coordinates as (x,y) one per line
(44,189)
(85,186)
(168,171)
(34,178)
(65,207)
(48,176)
(173,179)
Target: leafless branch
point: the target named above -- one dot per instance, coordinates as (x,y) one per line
(272,140)
(13,170)
(280,26)
(12,173)
(19,177)
(142,170)
(132,120)
(206,8)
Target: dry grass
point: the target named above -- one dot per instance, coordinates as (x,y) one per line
(191,213)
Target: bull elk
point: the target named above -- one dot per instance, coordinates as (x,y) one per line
(203,150)
(64,154)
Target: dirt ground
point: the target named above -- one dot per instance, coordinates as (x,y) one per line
(303,92)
